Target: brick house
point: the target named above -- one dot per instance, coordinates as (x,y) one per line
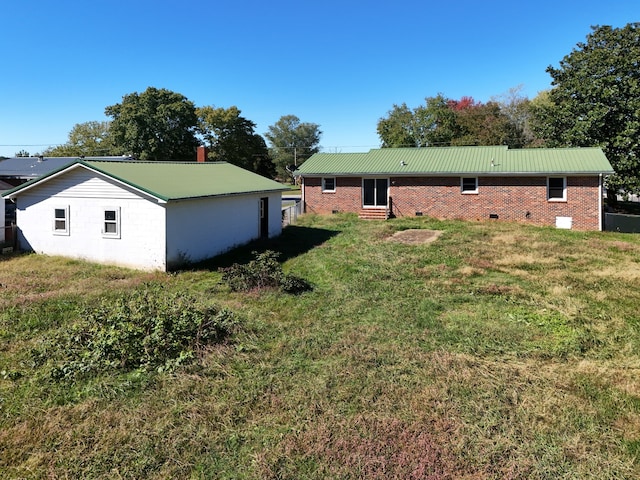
(557,187)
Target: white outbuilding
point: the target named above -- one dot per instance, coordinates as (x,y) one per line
(145,215)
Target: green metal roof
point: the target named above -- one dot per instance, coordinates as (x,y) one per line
(174,180)
(499,160)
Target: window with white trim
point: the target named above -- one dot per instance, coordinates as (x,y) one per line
(61,220)
(469,184)
(329,184)
(557,189)
(111,222)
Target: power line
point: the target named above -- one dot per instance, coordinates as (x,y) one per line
(34,145)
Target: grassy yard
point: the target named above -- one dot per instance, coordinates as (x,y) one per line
(495,351)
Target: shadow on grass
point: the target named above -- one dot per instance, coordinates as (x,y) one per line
(293,242)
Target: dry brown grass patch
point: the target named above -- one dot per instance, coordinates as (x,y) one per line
(469,271)
(512,259)
(624,246)
(95,433)
(373,447)
(26,279)
(509,238)
(626,271)
(481,263)
(629,427)
(601,244)
(432,270)
(495,289)
(623,377)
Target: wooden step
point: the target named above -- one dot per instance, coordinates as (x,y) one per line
(374,214)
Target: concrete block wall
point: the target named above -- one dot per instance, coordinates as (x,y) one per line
(519,199)
(142,230)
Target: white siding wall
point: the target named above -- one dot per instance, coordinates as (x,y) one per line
(142,222)
(275,214)
(202,228)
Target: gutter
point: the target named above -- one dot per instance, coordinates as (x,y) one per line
(452,174)
(228,194)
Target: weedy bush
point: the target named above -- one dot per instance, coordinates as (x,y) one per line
(148,328)
(263,273)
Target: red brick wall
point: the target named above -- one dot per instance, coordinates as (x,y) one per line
(346,198)
(522,199)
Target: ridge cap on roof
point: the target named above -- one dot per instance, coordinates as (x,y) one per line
(441,146)
(156,162)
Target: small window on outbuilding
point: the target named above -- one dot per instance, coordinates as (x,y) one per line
(557,189)
(329,184)
(111,222)
(61,220)
(469,184)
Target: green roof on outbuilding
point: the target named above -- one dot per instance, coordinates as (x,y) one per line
(174,180)
(498,160)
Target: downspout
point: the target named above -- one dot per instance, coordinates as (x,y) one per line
(302,192)
(600,202)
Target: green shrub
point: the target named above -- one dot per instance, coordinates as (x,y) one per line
(294,285)
(262,273)
(148,328)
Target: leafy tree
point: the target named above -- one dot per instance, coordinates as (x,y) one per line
(436,122)
(517,109)
(22,153)
(481,124)
(541,109)
(428,125)
(443,122)
(232,138)
(157,124)
(397,129)
(595,101)
(88,139)
(292,142)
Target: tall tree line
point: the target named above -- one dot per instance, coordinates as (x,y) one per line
(443,121)
(159,124)
(594,101)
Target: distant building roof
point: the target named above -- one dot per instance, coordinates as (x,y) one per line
(498,160)
(171,180)
(5,186)
(28,168)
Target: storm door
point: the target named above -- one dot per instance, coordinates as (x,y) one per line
(374,192)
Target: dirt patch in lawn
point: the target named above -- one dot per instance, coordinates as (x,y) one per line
(415,236)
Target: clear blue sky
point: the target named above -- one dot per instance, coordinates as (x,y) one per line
(340,64)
